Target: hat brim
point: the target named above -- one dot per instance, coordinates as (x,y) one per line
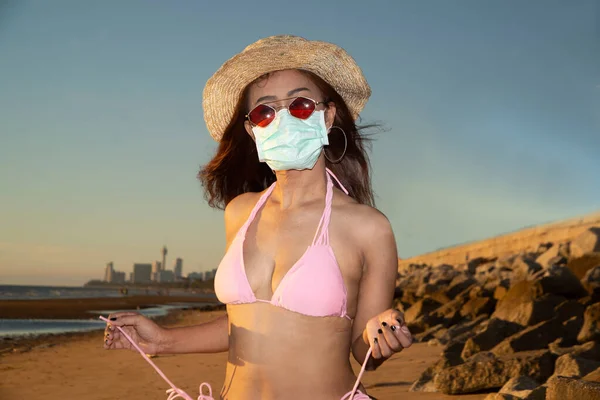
(331,63)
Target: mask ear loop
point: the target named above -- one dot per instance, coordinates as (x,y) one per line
(345,146)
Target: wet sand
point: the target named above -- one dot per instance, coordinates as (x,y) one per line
(77,367)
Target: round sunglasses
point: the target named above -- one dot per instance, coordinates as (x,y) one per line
(300,107)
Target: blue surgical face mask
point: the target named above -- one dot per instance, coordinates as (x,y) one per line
(291,143)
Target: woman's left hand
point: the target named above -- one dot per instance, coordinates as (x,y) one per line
(387,333)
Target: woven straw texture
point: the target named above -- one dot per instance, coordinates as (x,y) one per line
(326,60)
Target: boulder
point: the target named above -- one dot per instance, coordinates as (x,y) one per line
(488,335)
(593,376)
(591,324)
(458,330)
(421,307)
(548,255)
(581,265)
(560,280)
(459,284)
(475,263)
(523,266)
(524,305)
(563,388)
(532,338)
(485,371)
(569,309)
(572,366)
(586,242)
(429,333)
(519,387)
(591,280)
(475,307)
(589,350)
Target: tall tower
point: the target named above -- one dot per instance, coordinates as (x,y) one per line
(164,259)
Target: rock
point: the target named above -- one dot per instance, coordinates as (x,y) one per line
(532,338)
(449,313)
(589,350)
(571,329)
(580,265)
(560,280)
(486,371)
(427,289)
(421,307)
(461,328)
(500,292)
(425,382)
(593,376)
(489,334)
(563,388)
(572,366)
(591,324)
(569,309)
(586,242)
(591,280)
(473,264)
(477,306)
(429,333)
(524,305)
(519,387)
(441,275)
(523,267)
(548,255)
(459,284)
(539,393)
(500,396)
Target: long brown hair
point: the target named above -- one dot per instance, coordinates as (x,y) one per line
(235,168)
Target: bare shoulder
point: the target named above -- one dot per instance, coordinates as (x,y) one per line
(238,210)
(366,222)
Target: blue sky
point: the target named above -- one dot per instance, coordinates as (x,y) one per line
(491,113)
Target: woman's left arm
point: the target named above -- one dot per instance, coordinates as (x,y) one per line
(376,323)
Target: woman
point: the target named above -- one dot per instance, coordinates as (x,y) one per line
(310,266)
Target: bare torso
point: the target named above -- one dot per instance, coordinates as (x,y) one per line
(275,353)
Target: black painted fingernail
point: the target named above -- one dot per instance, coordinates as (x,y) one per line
(375,340)
(393,327)
(106,341)
(384,323)
(113,319)
(379,331)
(400,322)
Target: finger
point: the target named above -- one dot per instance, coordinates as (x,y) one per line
(404,336)
(122,320)
(384,347)
(390,336)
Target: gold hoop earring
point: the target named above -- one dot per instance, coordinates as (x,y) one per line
(345,146)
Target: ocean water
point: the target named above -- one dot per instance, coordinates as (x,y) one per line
(31,327)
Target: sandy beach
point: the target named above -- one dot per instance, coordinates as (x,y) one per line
(75,366)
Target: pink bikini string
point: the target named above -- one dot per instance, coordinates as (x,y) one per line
(175,392)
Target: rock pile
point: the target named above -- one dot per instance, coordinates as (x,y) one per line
(525,326)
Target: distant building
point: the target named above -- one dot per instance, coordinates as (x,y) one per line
(208,275)
(196,276)
(118,277)
(166,276)
(156,268)
(178,268)
(108,272)
(141,273)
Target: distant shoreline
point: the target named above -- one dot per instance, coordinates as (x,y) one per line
(81,308)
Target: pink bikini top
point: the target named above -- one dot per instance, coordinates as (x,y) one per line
(299,290)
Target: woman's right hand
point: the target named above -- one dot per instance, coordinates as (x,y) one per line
(146,333)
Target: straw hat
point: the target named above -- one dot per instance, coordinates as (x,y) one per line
(326,60)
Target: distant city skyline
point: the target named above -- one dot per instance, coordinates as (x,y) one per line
(490,114)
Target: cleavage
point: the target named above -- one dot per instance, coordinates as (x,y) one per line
(274,243)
